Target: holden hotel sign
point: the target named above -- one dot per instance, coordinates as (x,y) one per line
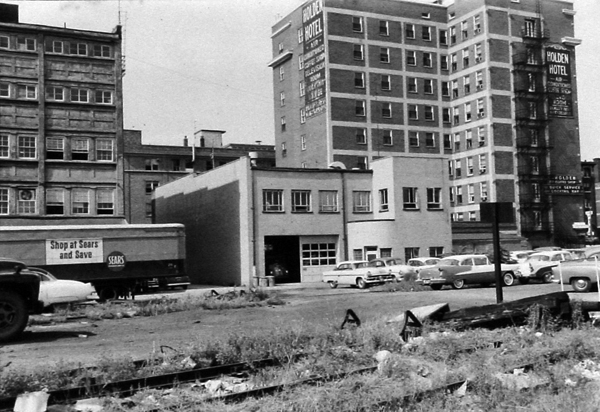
(314,58)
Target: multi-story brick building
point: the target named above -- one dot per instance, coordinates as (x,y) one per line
(61,124)
(490,84)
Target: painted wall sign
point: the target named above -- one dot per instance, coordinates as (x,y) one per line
(563,185)
(314,58)
(559,81)
(73,251)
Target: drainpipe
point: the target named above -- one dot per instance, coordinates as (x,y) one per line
(344,216)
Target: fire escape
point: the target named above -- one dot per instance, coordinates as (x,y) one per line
(532,139)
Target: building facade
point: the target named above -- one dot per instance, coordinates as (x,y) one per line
(489,84)
(240,220)
(148,166)
(61,124)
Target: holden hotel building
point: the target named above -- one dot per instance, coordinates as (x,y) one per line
(487,84)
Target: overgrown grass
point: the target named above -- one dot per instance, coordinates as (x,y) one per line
(406,285)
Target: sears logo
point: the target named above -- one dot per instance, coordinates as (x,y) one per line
(116,261)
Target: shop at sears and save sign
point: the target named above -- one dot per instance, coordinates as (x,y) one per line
(77,251)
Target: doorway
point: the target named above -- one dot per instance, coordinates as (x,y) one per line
(282,258)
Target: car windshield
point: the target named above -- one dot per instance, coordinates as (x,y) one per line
(415,263)
(391,262)
(539,258)
(431,261)
(362,265)
(448,262)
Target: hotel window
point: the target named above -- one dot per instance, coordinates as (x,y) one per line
(80,201)
(444,37)
(468,112)
(358,52)
(482,164)
(302,88)
(447,142)
(428,86)
(105,203)
(328,201)
(361,162)
(537,193)
(456,142)
(25,91)
(4,201)
(4,146)
(103,97)
(101,50)
(300,35)
(283,124)
(318,254)
(57,47)
(467,84)
(459,196)
(453,34)
(413,139)
(55,93)
(357,24)
(446,114)
(479,80)
(80,150)
(477,23)
(104,150)
(427,59)
(454,88)
(478,53)
(465,57)
(410,200)
(481,135)
(457,168)
(534,137)
(471,193)
(434,198)
(464,28)
(384,55)
(78,49)
(302,116)
(303,142)
(27,147)
(79,95)
(426,33)
(469,139)
(386,82)
(384,28)
(429,139)
(410,31)
(532,110)
(537,217)
(4,42)
(388,139)
(301,62)
(483,191)
(359,80)
(411,58)
(26,201)
(282,98)
(454,61)
(413,112)
(456,114)
(480,108)
(151,185)
(530,28)
(534,161)
(443,62)
(55,148)
(428,113)
(4,90)
(361,201)
(412,84)
(27,44)
(383,200)
(272,200)
(472,216)
(55,202)
(531,82)
(360,108)
(301,201)
(452,193)
(470,167)
(281,73)
(386,110)
(445,89)
(361,136)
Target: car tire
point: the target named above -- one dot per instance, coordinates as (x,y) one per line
(13,315)
(333,285)
(436,287)
(108,293)
(547,276)
(508,279)
(581,285)
(458,284)
(360,282)
(523,281)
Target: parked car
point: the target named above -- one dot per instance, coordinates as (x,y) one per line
(357,273)
(579,273)
(460,270)
(539,265)
(420,263)
(394,266)
(520,255)
(55,291)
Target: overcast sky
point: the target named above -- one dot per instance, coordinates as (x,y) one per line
(202,64)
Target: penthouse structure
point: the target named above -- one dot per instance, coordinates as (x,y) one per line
(488,84)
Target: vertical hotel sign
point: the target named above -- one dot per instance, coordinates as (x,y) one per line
(558,74)
(314,58)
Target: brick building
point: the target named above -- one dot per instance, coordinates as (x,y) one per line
(61,124)
(489,84)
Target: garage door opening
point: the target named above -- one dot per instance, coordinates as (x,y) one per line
(282,258)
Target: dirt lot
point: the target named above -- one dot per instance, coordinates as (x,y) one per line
(85,341)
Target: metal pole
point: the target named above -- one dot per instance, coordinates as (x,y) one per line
(497,255)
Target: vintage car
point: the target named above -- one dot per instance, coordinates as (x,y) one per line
(55,291)
(581,274)
(520,255)
(394,266)
(539,265)
(357,273)
(420,263)
(460,270)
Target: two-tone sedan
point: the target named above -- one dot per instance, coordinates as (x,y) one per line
(395,266)
(357,273)
(581,274)
(460,270)
(539,265)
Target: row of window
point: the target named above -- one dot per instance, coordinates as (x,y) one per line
(57,148)
(455,166)
(56,93)
(74,47)
(59,201)
(456,193)
(456,142)
(301,200)
(409,252)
